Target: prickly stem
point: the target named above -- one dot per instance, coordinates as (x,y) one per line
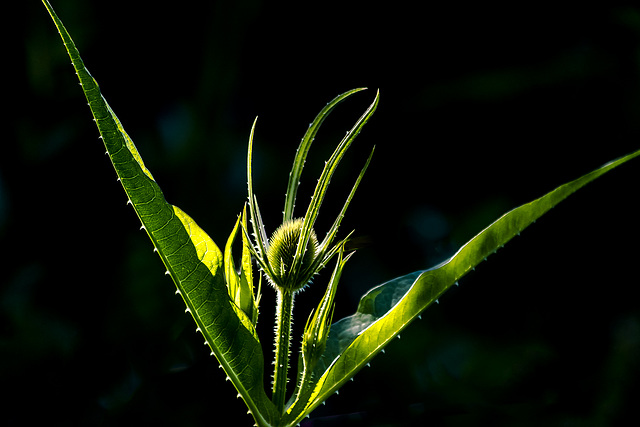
(282,340)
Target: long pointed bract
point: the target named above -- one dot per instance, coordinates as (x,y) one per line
(325,178)
(303,149)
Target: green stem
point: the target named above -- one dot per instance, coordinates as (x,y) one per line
(282,339)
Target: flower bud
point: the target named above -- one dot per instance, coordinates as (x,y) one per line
(281,254)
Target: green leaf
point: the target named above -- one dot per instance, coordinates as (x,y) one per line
(240,285)
(388,308)
(192,259)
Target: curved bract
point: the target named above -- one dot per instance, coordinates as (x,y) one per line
(223,301)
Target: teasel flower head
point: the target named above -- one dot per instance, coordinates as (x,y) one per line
(293,254)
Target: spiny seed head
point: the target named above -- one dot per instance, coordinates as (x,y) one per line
(282,249)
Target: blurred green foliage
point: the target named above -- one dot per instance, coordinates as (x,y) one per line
(482,108)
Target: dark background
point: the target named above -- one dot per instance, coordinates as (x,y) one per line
(482,108)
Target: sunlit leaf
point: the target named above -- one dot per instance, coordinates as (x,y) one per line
(192,259)
(387,309)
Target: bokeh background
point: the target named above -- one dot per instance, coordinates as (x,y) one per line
(482,108)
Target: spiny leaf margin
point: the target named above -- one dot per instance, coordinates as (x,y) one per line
(387,309)
(192,259)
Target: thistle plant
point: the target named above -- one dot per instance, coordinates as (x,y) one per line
(224,300)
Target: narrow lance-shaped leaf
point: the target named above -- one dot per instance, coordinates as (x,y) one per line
(388,308)
(250,297)
(240,284)
(192,259)
(232,277)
